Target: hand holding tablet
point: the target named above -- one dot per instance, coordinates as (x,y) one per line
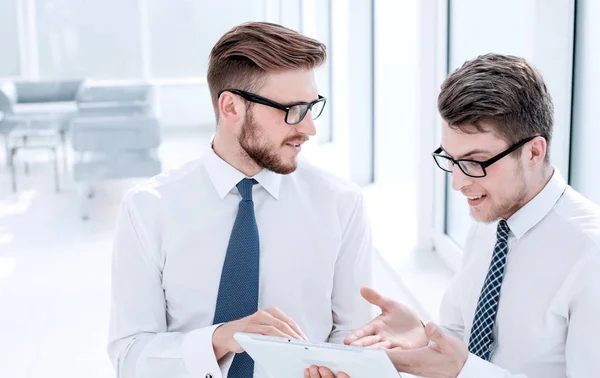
(288,358)
(322,372)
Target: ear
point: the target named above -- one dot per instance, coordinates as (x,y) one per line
(537,151)
(231,108)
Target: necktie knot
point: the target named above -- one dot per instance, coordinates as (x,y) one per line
(503,229)
(245,188)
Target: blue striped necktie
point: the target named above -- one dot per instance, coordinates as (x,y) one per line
(481,341)
(238,289)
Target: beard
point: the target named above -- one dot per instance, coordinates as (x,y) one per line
(507,206)
(265,155)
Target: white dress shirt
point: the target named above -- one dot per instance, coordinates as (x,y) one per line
(171,240)
(548,319)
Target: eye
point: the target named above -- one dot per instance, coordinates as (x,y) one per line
(470,164)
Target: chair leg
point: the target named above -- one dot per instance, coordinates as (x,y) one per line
(13,172)
(25,163)
(63,140)
(7,149)
(84,189)
(56,183)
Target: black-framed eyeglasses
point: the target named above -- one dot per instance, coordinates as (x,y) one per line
(294,113)
(473,168)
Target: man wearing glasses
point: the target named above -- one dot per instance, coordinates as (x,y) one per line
(248,238)
(526,301)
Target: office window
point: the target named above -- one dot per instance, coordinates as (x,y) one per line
(316,23)
(97,39)
(397,156)
(396,75)
(9,39)
(350,152)
(540,33)
(290,14)
(585,159)
(181,33)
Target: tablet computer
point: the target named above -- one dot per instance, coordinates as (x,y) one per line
(287,358)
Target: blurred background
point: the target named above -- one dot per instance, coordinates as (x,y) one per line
(96,96)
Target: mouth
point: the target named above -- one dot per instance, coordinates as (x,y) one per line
(296,146)
(476,200)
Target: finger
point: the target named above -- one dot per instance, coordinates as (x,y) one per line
(306,373)
(314,372)
(289,321)
(375,298)
(435,334)
(382,345)
(392,344)
(364,331)
(325,372)
(367,341)
(267,330)
(268,318)
(341,374)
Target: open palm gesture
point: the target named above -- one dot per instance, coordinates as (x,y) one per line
(398,326)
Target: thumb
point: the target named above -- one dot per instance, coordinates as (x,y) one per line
(374,297)
(435,334)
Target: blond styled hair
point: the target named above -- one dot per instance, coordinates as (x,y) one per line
(247,53)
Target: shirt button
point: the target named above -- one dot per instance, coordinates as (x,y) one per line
(208,375)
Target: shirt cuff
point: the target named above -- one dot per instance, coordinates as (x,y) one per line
(476,367)
(199,354)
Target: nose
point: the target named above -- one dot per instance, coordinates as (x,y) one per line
(459,179)
(307,126)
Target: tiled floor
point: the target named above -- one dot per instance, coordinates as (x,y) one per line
(54,271)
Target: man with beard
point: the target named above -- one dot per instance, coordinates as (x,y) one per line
(248,238)
(526,301)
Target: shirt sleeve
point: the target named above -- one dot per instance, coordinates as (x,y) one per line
(139,344)
(475,367)
(582,347)
(353,269)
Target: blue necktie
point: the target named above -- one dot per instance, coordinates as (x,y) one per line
(238,290)
(481,341)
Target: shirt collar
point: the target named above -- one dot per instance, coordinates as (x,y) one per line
(536,209)
(224,177)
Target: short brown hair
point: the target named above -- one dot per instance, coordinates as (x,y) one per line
(244,55)
(501,89)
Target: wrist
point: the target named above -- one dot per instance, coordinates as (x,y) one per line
(423,339)
(220,341)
